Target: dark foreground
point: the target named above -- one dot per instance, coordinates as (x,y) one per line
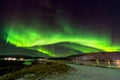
(34,71)
(56,70)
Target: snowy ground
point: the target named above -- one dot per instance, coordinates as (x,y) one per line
(85,73)
(94,73)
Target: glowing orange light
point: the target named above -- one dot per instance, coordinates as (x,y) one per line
(117,62)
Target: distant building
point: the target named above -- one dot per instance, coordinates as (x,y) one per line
(110,59)
(10,58)
(21,59)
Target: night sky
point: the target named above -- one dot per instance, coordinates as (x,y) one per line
(58,28)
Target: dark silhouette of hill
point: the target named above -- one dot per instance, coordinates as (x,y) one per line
(97,56)
(62,49)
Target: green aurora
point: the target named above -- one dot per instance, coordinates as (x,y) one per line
(37,34)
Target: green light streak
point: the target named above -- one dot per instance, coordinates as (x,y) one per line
(45,51)
(27,36)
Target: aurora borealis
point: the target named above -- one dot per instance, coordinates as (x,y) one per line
(58,29)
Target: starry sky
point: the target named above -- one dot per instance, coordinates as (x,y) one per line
(58,28)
